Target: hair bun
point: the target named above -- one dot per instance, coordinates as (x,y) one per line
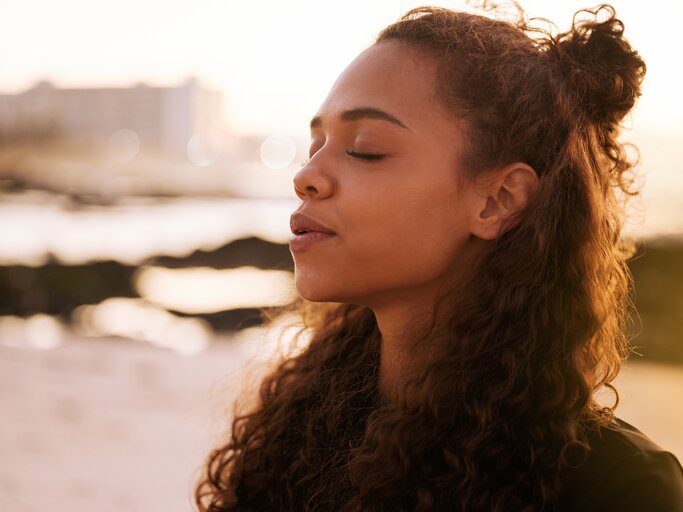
(598,65)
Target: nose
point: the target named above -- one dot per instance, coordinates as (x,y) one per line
(311,181)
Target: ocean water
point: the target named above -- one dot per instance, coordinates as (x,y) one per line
(35,224)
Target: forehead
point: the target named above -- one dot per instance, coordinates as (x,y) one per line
(391,76)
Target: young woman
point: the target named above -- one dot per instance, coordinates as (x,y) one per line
(463,283)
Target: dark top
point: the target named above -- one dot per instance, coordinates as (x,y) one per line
(625,472)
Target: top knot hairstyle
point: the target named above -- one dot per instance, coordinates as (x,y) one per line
(597,68)
(508,407)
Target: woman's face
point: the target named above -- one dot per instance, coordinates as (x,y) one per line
(384,176)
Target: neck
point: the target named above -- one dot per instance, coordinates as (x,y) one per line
(404,317)
(401,357)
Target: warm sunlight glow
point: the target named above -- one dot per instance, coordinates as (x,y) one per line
(138,320)
(269,344)
(275,61)
(206,290)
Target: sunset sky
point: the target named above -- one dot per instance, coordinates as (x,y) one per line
(274,60)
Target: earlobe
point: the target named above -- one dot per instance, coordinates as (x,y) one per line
(505,194)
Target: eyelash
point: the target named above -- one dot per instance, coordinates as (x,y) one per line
(354,154)
(364,156)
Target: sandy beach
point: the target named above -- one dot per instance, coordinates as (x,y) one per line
(115,425)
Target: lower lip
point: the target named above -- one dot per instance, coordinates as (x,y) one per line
(306,240)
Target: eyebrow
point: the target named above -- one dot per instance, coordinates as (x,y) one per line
(363,113)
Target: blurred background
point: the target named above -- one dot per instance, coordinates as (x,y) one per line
(147,151)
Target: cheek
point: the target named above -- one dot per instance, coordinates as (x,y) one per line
(397,238)
(423,250)
(411,236)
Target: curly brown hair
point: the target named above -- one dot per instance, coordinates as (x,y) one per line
(496,420)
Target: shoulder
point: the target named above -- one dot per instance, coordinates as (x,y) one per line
(625,471)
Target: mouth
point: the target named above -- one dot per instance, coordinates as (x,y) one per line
(304,231)
(302,224)
(304,239)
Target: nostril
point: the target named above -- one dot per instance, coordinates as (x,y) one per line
(312,182)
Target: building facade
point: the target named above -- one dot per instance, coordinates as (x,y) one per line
(163,118)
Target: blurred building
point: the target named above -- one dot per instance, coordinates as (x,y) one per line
(160,118)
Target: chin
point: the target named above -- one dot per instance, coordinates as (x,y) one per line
(319,292)
(316,295)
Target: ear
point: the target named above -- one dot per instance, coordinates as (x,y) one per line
(501,194)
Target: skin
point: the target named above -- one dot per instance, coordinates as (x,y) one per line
(407,224)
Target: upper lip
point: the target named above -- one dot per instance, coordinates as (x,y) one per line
(299,222)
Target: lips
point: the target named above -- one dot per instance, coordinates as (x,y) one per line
(301,223)
(307,233)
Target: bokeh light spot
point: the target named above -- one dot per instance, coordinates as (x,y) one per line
(200,151)
(123,145)
(39,331)
(278,151)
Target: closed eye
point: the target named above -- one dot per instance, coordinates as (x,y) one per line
(364,156)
